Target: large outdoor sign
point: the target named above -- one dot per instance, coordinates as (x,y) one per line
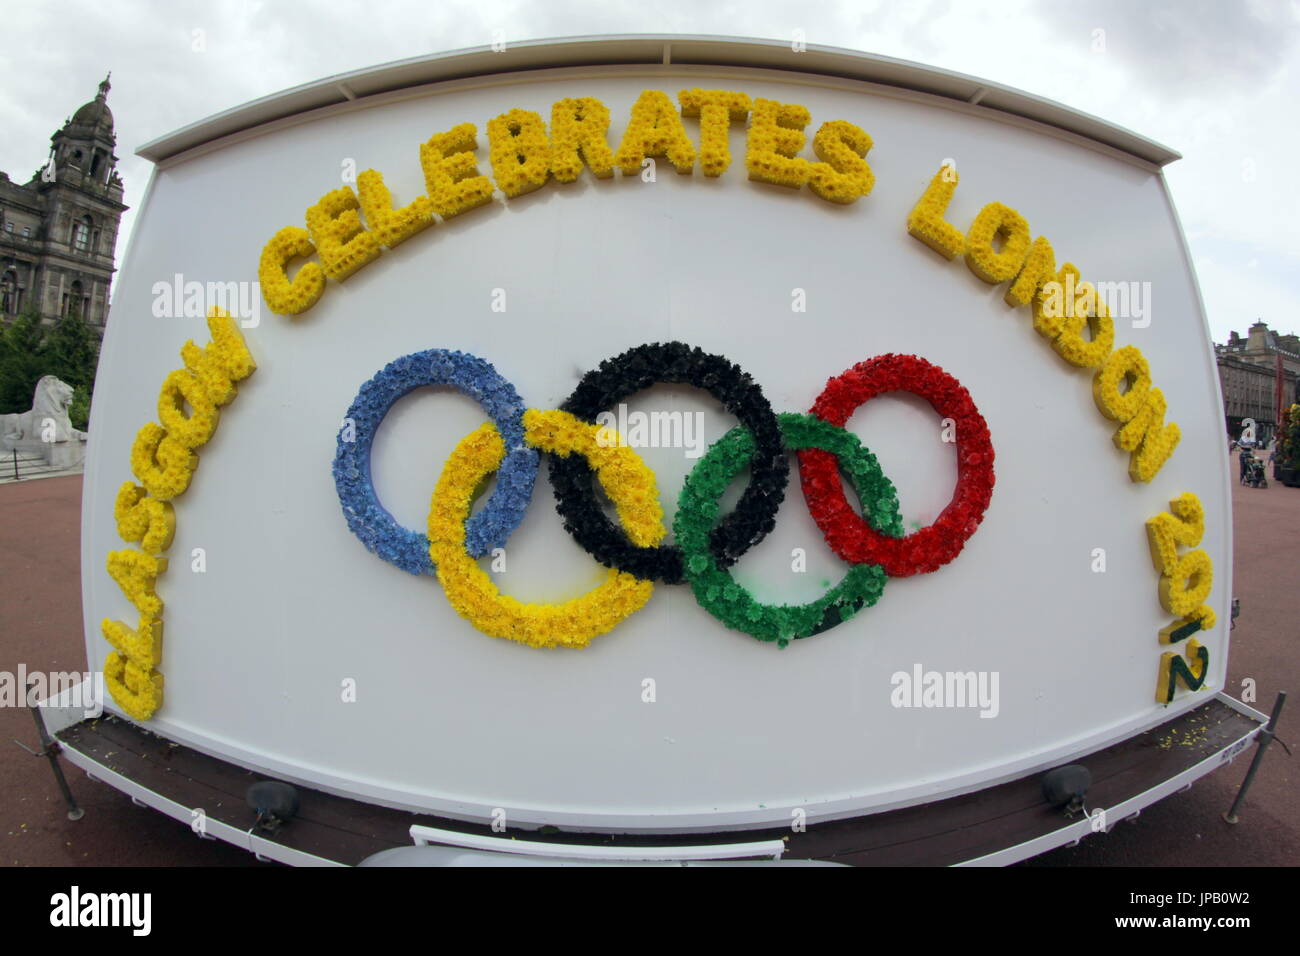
(680,454)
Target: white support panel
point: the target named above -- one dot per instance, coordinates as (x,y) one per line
(423,836)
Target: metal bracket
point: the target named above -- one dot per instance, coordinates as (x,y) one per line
(50,749)
(1263,738)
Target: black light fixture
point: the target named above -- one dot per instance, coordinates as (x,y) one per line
(1065,787)
(276,804)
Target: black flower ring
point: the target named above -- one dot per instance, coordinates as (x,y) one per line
(681,364)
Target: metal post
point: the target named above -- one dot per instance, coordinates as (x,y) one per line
(50,748)
(1264,738)
(16,478)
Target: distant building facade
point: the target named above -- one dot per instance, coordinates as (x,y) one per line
(1249,375)
(59,230)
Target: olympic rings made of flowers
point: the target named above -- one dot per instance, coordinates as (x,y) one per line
(636,558)
(367,517)
(627,480)
(673,362)
(697,510)
(848,535)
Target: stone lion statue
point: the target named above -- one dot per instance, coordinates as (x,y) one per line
(50,402)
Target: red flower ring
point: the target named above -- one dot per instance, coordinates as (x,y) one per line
(848,535)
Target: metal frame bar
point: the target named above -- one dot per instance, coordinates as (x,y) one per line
(213,829)
(1130,808)
(774,849)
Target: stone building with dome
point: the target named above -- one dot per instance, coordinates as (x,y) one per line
(58,231)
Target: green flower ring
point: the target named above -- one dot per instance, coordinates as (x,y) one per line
(697,514)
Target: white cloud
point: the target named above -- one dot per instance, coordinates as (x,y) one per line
(1216,81)
(1269,297)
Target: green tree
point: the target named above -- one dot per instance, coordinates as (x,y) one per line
(29,351)
(20,361)
(1288,447)
(79,410)
(71,351)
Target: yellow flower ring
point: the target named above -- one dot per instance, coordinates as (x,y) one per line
(626,479)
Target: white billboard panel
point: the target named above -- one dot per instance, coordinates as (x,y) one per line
(1022,635)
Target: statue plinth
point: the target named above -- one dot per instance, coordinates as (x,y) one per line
(57,454)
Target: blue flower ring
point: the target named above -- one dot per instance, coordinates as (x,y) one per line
(472,376)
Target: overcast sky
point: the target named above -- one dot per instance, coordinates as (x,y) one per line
(1216,80)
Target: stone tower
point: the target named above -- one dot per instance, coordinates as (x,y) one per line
(58,231)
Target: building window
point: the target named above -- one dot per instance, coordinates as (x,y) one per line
(9,227)
(81,234)
(27,232)
(9,293)
(72,301)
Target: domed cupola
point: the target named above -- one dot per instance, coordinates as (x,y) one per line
(96,115)
(82,151)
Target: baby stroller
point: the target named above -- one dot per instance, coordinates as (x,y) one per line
(1255,477)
